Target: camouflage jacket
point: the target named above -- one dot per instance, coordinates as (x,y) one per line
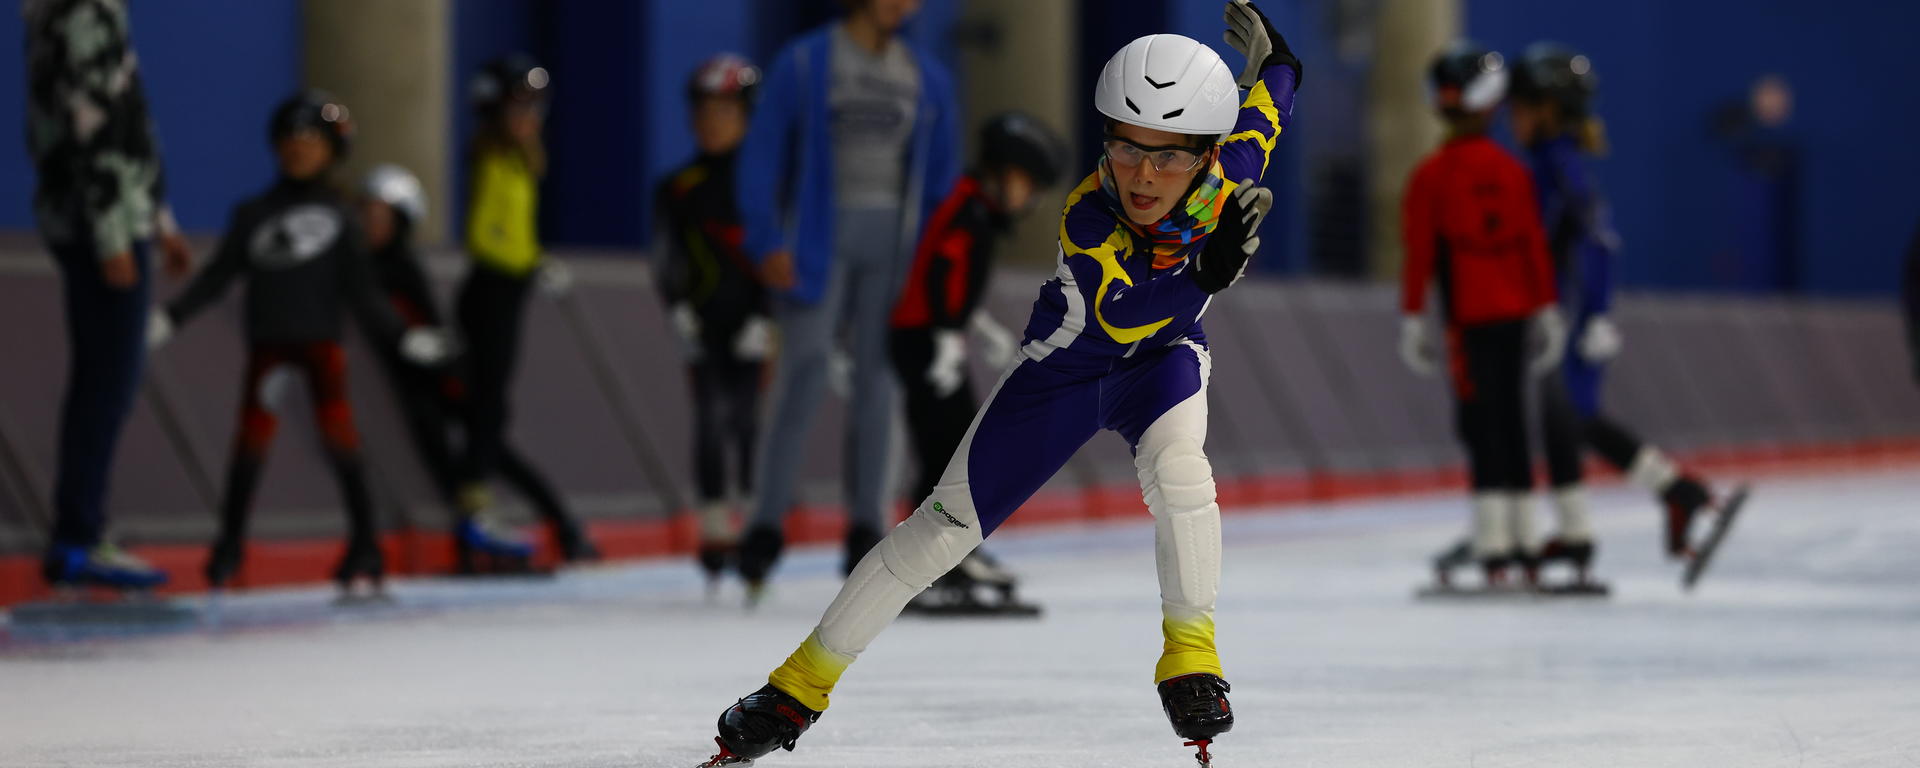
(100,183)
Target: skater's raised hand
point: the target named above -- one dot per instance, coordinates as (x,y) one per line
(1223,258)
(1414,349)
(1551,329)
(1250,33)
(1601,340)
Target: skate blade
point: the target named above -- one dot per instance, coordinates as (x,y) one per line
(1722,523)
(1510,593)
(146,613)
(376,599)
(726,757)
(1202,756)
(981,611)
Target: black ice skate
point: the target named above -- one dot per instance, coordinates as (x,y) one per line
(1578,555)
(758,551)
(764,721)
(1197,707)
(223,563)
(1702,555)
(978,586)
(1685,498)
(363,564)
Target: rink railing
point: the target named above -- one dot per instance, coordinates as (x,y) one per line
(1309,403)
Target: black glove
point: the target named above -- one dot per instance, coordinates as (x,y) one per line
(1223,258)
(1250,33)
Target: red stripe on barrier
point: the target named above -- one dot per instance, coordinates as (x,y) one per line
(413,552)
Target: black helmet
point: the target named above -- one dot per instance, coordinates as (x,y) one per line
(1467,77)
(727,74)
(513,77)
(1021,140)
(1556,74)
(316,110)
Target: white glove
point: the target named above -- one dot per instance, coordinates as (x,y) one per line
(1414,350)
(1552,330)
(159,329)
(425,346)
(755,339)
(948,370)
(686,325)
(1601,340)
(998,346)
(555,278)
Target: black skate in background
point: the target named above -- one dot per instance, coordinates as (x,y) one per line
(1702,557)
(978,586)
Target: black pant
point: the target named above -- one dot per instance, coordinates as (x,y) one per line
(1488,368)
(1567,432)
(430,402)
(107,346)
(935,424)
(726,401)
(490,309)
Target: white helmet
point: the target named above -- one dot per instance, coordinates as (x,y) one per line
(1169,83)
(397,186)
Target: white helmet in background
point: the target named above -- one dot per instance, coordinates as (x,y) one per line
(398,187)
(1169,83)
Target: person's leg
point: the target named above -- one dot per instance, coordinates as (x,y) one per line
(1564,431)
(743,417)
(326,368)
(912,352)
(1505,389)
(106,330)
(873,286)
(1160,407)
(423,408)
(709,432)
(489,313)
(1032,423)
(261,384)
(1474,419)
(799,383)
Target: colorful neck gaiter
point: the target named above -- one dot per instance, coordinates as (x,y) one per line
(1183,225)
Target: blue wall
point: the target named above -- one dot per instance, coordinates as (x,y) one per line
(213,70)
(1666,66)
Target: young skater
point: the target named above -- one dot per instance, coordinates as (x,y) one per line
(713,299)
(434,398)
(303,256)
(1551,115)
(1469,221)
(1166,221)
(1019,159)
(507,161)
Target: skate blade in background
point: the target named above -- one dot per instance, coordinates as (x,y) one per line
(1511,593)
(1722,523)
(77,618)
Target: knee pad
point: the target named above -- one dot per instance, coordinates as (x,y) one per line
(931,541)
(1175,477)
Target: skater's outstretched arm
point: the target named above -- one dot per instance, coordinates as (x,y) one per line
(229,261)
(1270,82)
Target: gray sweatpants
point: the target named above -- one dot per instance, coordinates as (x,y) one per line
(862,285)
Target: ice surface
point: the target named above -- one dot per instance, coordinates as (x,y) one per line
(1802,647)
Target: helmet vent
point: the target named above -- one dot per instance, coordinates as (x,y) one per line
(1133,106)
(1157,86)
(1173,114)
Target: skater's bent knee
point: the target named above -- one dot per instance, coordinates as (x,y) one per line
(1180,473)
(927,545)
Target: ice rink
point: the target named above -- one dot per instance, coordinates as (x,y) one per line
(1802,648)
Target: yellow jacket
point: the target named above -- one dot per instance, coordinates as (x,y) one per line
(502,233)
